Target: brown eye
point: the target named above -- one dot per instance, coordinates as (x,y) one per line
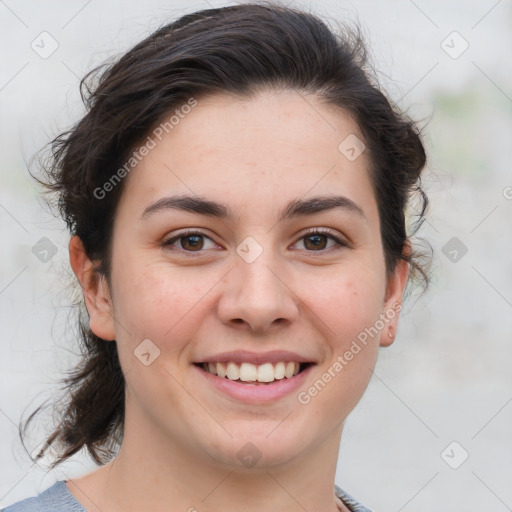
(192,242)
(315,242)
(189,242)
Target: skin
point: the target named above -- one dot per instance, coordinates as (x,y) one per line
(181,435)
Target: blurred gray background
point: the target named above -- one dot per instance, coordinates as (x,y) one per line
(435,424)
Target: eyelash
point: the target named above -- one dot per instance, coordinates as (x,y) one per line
(310,232)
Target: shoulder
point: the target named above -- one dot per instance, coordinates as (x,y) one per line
(349,501)
(56,498)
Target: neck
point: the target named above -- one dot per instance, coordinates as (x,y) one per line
(156,473)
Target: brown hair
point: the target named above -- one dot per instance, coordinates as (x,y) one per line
(238,50)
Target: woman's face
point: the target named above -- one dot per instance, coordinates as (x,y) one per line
(242,281)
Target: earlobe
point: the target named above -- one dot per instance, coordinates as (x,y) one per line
(393,301)
(95,289)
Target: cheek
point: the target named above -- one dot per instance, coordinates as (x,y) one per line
(356,346)
(159,301)
(163,305)
(348,305)
(347,302)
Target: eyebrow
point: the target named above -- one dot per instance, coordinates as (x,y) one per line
(297,207)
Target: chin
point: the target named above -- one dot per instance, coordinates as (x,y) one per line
(256,451)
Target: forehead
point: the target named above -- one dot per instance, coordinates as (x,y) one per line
(267,148)
(270,124)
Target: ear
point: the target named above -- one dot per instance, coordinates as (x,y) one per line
(96,291)
(393,299)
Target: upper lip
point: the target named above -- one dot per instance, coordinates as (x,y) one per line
(245,356)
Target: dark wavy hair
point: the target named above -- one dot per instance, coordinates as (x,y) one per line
(236,50)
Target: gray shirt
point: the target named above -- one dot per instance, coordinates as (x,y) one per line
(58,498)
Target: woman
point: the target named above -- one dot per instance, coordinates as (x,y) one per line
(235,195)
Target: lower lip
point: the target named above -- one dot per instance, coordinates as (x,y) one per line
(256,393)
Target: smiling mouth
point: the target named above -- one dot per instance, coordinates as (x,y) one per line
(248,373)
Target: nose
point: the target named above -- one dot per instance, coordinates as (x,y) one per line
(258,296)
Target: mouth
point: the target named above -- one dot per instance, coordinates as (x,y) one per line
(254,374)
(256,378)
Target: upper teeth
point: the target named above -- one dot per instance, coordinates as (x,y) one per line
(248,372)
